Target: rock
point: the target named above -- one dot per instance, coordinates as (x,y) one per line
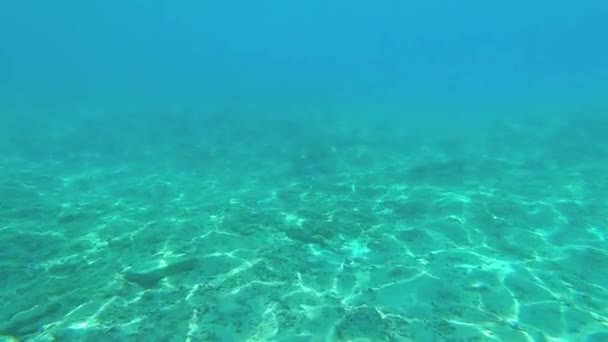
(29,321)
(148,274)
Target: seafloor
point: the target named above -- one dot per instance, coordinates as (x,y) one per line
(236,228)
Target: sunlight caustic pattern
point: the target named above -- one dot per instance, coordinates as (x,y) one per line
(320,239)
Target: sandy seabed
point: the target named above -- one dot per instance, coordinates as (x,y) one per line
(328,230)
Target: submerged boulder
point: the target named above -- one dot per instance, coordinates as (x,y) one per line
(148,274)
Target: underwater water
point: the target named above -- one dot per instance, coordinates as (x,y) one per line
(305,171)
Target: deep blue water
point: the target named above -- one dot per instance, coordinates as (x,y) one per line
(473,55)
(303,171)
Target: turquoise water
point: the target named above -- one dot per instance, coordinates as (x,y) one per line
(344,171)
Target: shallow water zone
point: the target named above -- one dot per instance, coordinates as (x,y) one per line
(272,170)
(336,231)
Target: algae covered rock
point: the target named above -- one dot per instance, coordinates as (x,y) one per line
(148,274)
